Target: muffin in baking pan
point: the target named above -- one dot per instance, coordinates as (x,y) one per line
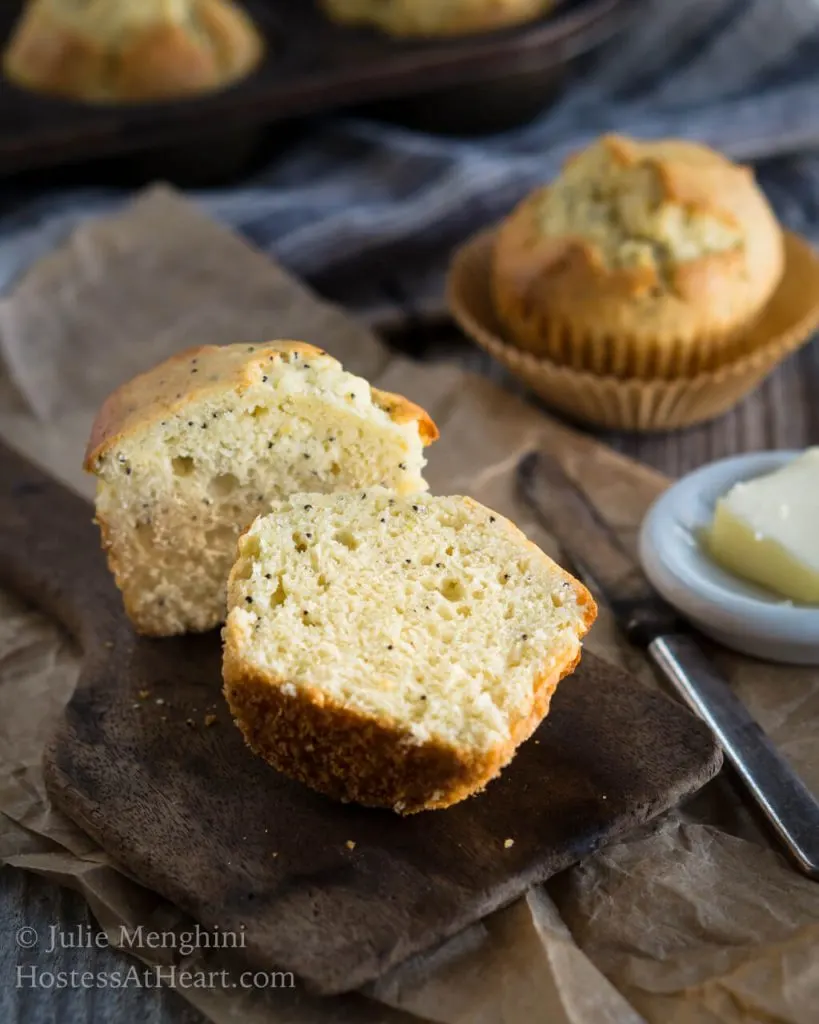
(436,17)
(643,259)
(119,51)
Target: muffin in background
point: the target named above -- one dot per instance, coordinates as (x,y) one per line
(119,51)
(643,259)
(436,17)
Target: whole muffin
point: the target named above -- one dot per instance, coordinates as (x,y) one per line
(130,50)
(436,17)
(644,259)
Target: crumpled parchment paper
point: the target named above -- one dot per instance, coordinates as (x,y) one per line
(691,919)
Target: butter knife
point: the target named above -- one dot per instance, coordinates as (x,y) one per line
(649,622)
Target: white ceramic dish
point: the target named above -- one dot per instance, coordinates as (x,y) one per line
(726,608)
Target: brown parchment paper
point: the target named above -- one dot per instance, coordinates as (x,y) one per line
(692,919)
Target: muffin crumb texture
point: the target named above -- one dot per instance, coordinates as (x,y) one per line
(622,200)
(190,453)
(395,650)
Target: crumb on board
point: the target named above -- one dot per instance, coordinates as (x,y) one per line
(160,701)
(190,722)
(275,853)
(350,844)
(144,694)
(508,844)
(210,720)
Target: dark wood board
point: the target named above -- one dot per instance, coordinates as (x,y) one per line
(191,813)
(782,413)
(312,65)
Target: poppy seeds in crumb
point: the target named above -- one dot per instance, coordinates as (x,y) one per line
(213,465)
(349,624)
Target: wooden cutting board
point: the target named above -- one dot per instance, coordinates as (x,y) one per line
(148,762)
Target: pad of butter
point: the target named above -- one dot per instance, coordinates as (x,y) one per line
(767,530)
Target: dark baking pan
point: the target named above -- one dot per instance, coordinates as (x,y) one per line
(469,84)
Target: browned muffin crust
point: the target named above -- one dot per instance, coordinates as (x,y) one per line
(350,757)
(214,45)
(159,538)
(162,391)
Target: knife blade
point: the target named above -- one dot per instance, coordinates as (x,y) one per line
(573,521)
(648,621)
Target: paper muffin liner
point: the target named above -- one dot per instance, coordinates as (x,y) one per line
(627,357)
(634,402)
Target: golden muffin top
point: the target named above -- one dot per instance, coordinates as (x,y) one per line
(131,50)
(109,22)
(666,243)
(649,204)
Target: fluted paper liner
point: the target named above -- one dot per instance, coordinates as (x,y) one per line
(616,403)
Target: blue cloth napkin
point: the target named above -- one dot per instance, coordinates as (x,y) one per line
(369,212)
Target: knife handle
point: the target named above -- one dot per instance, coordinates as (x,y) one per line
(785,801)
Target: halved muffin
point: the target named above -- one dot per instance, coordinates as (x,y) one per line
(395,651)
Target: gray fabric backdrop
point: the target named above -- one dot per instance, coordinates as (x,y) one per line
(742,75)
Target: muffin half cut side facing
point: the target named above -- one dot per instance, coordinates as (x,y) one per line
(643,259)
(395,651)
(190,453)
